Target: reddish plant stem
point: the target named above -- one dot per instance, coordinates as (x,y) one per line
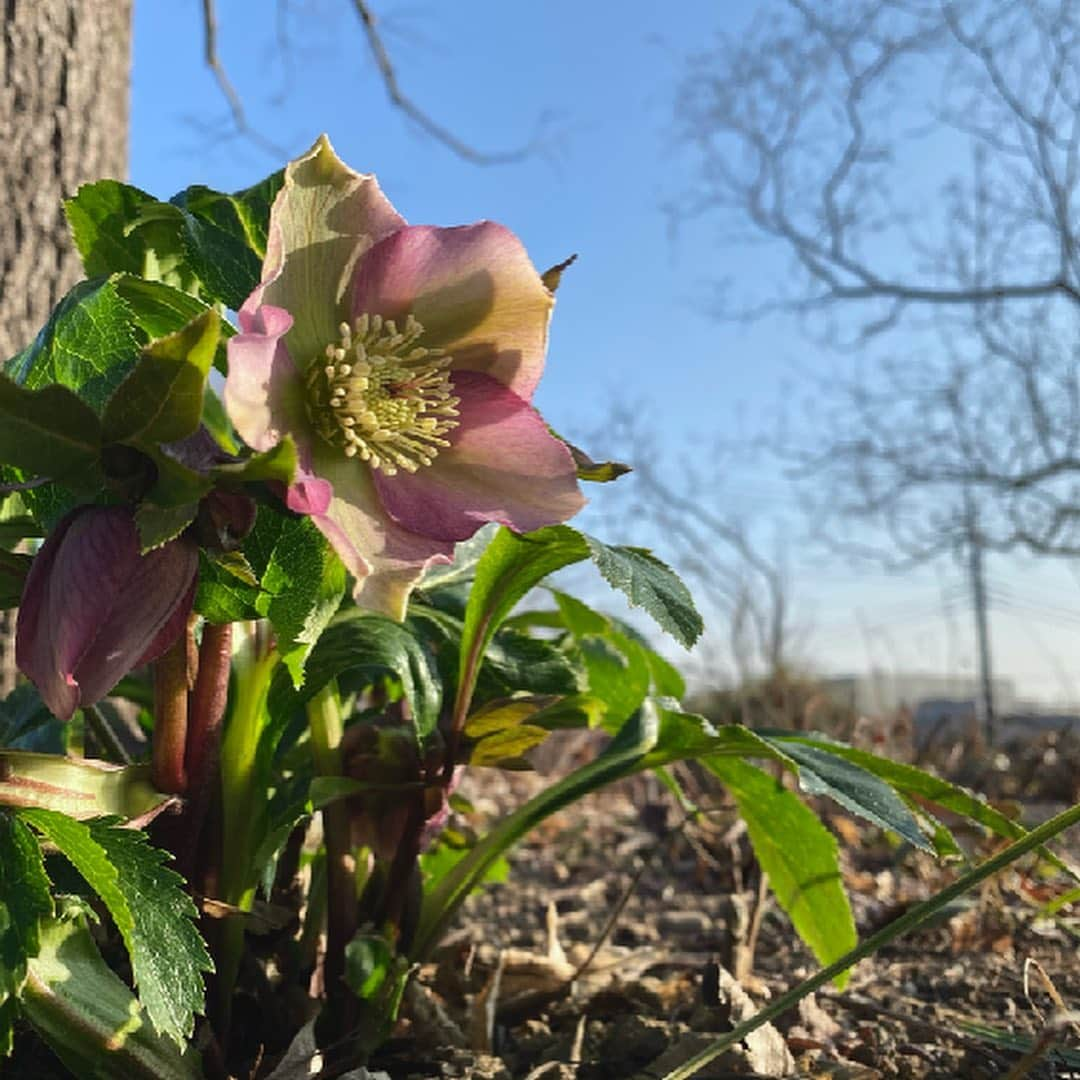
(171,718)
(206,710)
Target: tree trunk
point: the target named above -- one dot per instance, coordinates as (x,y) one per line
(65,69)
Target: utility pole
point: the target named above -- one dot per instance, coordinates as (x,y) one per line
(984,699)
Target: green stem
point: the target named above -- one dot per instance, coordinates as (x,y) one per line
(242,800)
(327,729)
(912,918)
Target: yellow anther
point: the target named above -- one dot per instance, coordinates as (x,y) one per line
(383,397)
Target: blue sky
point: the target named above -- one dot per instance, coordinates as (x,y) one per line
(595,83)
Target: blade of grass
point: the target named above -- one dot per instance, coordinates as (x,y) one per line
(908,921)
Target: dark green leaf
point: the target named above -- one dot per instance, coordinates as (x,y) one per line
(302,582)
(854,788)
(217,244)
(517,662)
(912,781)
(618,670)
(368,963)
(50,432)
(13,570)
(509,567)
(361,641)
(150,908)
(652,585)
(26,723)
(24,901)
(798,853)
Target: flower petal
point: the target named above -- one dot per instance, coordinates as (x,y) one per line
(152,606)
(34,648)
(263,391)
(91,603)
(475,291)
(502,465)
(385,559)
(323,219)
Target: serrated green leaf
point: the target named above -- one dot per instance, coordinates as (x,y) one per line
(516,662)
(463,567)
(301,579)
(913,781)
(88,345)
(854,788)
(168,955)
(223,596)
(367,643)
(161,399)
(24,901)
(798,853)
(89,1018)
(651,585)
(148,904)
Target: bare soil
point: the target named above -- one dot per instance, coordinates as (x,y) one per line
(608,953)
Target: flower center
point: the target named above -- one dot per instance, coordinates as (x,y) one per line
(381,397)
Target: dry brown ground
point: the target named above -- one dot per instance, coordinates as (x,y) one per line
(664,909)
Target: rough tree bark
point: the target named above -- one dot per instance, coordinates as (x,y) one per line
(64,79)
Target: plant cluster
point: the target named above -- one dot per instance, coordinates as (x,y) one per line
(273,611)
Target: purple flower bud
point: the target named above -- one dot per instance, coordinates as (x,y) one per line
(93,608)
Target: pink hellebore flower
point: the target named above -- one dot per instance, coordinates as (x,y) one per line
(93,608)
(402,359)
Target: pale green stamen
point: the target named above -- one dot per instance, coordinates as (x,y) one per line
(381,397)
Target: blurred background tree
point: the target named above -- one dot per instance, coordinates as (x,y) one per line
(917,162)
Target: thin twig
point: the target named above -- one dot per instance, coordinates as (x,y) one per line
(401,101)
(613,918)
(228,91)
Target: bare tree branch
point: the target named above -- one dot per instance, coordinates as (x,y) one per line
(423,119)
(228,91)
(816,131)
